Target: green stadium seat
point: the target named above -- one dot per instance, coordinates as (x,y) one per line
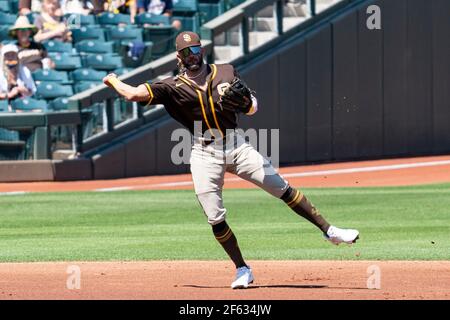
(163,38)
(66,62)
(230,4)
(29,105)
(93,46)
(210,10)
(88,33)
(9,135)
(105,61)
(189,23)
(187,12)
(85,85)
(4,6)
(108,18)
(4,106)
(4,37)
(59,104)
(58,46)
(121,71)
(152,19)
(119,34)
(52,90)
(76,20)
(7,18)
(50,75)
(87,74)
(185,7)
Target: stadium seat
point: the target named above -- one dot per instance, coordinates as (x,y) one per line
(11,145)
(4,6)
(152,19)
(58,46)
(105,61)
(85,85)
(7,18)
(185,7)
(88,33)
(189,23)
(50,75)
(59,104)
(163,38)
(210,10)
(29,105)
(121,71)
(8,135)
(4,106)
(76,20)
(52,90)
(229,4)
(87,74)
(4,36)
(187,12)
(66,62)
(119,34)
(93,46)
(108,19)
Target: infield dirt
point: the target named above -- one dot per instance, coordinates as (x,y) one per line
(274,280)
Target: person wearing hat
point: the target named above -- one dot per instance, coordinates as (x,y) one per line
(207,99)
(32,54)
(15,79)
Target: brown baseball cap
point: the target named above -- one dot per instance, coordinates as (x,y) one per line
(187,39)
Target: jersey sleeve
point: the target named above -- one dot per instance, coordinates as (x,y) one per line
(158,93)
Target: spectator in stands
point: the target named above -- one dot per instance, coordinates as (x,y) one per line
(158,7)
(75,6)
(33,55)
(51,24)
(15,79)
(67,6)
(121,6)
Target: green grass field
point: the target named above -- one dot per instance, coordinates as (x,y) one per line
(401,223)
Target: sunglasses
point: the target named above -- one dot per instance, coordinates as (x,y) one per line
(186,52)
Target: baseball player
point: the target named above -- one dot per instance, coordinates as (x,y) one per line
(213,96)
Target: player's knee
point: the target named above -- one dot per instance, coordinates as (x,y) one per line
(212,207)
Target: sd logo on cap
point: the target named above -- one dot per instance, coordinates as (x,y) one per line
(187,39)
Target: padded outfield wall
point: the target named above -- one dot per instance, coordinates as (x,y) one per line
(347,92)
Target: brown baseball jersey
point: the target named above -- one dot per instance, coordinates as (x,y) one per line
(186,102)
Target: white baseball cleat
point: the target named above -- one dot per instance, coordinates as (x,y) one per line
(244,277)
(337,236)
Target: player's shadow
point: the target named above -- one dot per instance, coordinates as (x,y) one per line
(292,286)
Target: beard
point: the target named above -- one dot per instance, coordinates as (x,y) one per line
(194,66)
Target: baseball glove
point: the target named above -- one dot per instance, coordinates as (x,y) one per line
(237,97)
